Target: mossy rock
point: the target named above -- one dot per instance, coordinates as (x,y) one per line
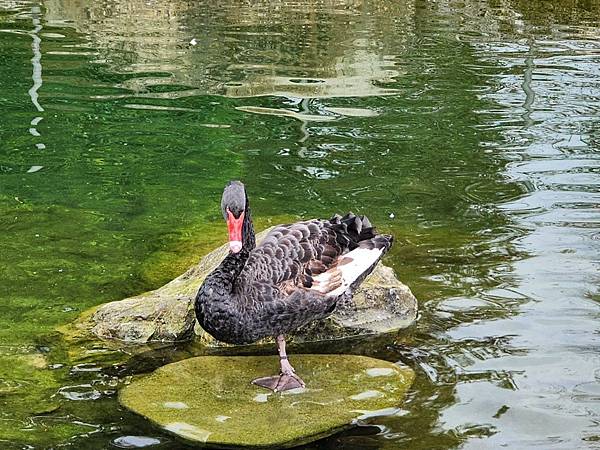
(381,304)
(210,401)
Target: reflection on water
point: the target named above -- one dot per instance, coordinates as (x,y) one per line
(317,49)
(468,129)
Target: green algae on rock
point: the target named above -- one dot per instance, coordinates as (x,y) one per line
(209,399)
(381,304)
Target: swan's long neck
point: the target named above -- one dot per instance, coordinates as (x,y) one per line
(248,231)
(231,267)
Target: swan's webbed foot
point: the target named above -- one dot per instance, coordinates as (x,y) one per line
(280,383)
(287,378)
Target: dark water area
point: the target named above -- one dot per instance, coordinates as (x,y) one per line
(468,129)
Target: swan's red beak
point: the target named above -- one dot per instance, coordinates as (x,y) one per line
(234,226)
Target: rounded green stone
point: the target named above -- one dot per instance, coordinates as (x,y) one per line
(210,400)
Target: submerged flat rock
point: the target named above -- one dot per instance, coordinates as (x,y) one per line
(209,400)
(381,304)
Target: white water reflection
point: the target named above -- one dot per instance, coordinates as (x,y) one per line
(541,401)
(198,49)
(358,71)
(36,60)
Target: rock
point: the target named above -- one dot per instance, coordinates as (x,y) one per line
(381,304)
(209,399)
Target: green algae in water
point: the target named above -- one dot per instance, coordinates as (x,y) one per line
(210,400)
(120,190)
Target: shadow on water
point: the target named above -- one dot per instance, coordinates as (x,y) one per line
(467,129)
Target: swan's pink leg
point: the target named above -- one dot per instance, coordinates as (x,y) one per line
(287,378)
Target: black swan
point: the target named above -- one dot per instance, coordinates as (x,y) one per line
(295,276)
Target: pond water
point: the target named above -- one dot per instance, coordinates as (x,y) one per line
(468,129)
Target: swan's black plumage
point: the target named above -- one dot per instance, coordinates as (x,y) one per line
(269,289)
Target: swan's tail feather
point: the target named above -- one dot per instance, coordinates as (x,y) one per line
(353,267)
(355,228)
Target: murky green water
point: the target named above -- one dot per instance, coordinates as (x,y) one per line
(468,129)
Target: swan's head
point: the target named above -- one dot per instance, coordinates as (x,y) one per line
(233,205)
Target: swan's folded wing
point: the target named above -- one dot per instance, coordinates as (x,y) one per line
(287,313)
(291,254)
